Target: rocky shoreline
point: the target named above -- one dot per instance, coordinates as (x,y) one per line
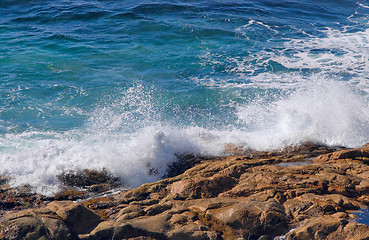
(303,192)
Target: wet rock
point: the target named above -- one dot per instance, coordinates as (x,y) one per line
(70,194)
(19,198)
(88,178)
(310,148)
(99,188)
(233,149)
(183,163)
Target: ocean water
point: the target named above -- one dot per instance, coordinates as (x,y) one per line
(130,85)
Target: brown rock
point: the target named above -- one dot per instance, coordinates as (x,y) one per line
(244,217)
(361,154)
(78,218)
(311,205)
(316,228)
(351,231)
(155,224)
(364,199)
(157,208)
(192,232)
(130,212)
(117,231)
(363,187)
(257,195)
(329,227)
(34,224)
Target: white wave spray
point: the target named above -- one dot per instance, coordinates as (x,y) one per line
(128,138)
(322,111)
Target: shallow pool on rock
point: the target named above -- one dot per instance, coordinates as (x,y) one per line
(362,216)
(290,164)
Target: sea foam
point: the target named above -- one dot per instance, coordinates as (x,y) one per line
(323,111)
(303,87)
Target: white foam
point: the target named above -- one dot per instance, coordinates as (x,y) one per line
(341,53)
(128,136)
(125,137)
(36,160)
(129,144)
(323,111)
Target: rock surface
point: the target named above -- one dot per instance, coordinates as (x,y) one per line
(301,192)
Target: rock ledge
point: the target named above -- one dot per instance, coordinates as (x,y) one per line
(302,192)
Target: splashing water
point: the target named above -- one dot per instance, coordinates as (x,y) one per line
(128,87)
(326,112)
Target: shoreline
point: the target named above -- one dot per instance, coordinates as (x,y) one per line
(301,192)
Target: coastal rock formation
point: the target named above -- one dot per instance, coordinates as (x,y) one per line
(302,192)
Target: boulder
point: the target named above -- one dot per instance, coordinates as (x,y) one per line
(34,224)
(77,217)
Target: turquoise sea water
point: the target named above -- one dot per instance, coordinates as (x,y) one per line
(128,85)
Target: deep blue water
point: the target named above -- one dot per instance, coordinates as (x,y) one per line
(126,85)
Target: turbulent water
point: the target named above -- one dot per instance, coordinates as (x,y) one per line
(129,85)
